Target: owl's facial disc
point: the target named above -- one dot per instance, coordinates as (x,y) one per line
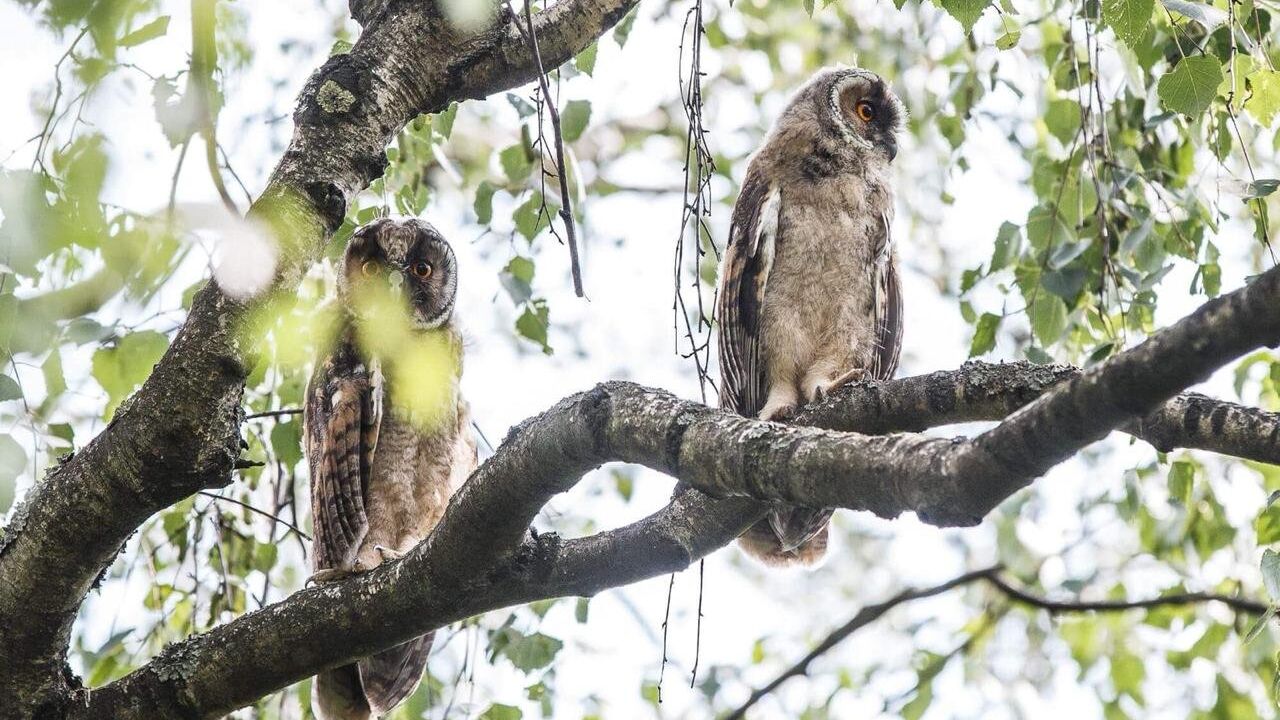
(412,261)
(867,111)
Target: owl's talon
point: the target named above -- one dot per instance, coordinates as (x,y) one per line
(326,576)
(387,553)
(331,575)
(778,414)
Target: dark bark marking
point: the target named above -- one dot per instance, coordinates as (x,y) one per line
(940,391)
(329,202)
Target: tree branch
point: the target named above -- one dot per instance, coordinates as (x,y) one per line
(992,576)
(180,432)
(864,617)
(481,556)
(987,391)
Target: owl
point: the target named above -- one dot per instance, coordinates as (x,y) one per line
(808,295)
(387,434)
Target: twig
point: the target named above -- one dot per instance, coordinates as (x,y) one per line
(173,187)
(864,617)
(274,413)
(697,636)
(566,209)
(263,513)
(991,575)
(666,620)
(698,169)
(1054,607)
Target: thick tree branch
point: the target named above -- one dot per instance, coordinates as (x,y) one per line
(481,556)
(180,432)
(987,391)
(992,576)
(957,482)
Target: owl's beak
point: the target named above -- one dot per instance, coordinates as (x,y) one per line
(892,147)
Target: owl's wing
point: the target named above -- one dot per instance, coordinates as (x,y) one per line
(888,306)
(343,413)
(753,235)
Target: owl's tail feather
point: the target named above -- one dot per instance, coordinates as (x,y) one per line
(392,675)
(337,695)
(372,686)
(792,536)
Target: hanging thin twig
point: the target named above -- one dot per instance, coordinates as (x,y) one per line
(566,210)
(698,169)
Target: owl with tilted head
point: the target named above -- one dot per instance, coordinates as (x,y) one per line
(387,434)
(808,295)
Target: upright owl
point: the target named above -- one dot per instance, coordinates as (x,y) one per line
(387,434)
(808,297)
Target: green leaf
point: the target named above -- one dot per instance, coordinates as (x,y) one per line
(1267,525)
(1062,117)
(515,162)
(574,119)
(516,278)
(1211,278)
(1260,625)
(523,107)
(264,556)
(585,61)
(1009,40)
(1131,19)
(966,11)
(622,30)
(581,609)
(984,337)
(1205,14)
(1271,572)
(532,652)
(1007,247)
(152,30)
(501,712)
(483,204)
(55,383)
(920,703)
(530,218)
(1127,673)
(1037,356)
(1192,85)
(533,322)
(1261,188)
(286,442)
(443,122)
(1264,102)
(13,460)
(1182,476)
(121,369)
(1047,228)
(9,389)
(1048,315)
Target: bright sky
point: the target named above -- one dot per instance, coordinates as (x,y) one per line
(623,332)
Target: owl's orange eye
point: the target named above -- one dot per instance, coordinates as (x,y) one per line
(421,269)
(866,111)
(369,268)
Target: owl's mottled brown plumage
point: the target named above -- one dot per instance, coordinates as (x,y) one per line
(808,294)
(382,467)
